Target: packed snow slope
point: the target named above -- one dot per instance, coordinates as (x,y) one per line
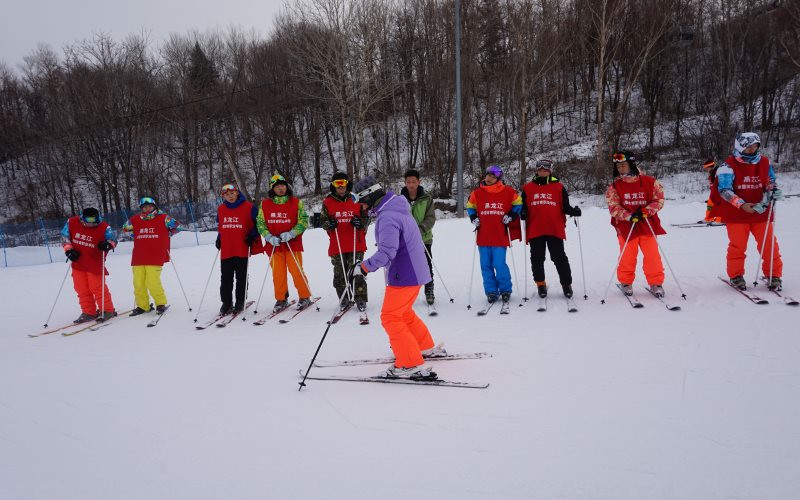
(606,403)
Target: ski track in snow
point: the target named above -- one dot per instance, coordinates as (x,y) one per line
(609,402)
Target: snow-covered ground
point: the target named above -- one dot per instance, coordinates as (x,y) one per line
(607,403)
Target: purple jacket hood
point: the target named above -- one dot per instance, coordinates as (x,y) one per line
(400,247)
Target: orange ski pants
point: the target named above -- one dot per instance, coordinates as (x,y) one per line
(408,335)
(89,287)
(738,234)
(281,261)
(651,260)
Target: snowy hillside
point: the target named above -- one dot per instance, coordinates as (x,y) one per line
(606,403)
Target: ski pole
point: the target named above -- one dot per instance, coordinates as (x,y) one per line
(175,268)
(69,267)
(513,260)
(344,270)
(103,286)
(246,282)
(763,242)
(472,272)
(264,282)
(438,273)
(205,288)
(302,272)
(324,334)
(525,259)
(619,259)
(580,247)
(683,295)
(773,241)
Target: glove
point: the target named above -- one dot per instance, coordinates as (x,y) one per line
(105,246)
(357,270)
(217,243)
(776,194)
(475,221)
(637,216)
(72,254)
(250,239)
(331,223)
(576,212)
(288,235)
(274,241)
(356,222)
(507,218)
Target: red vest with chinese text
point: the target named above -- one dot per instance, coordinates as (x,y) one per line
(85,240)
(633,196)
(491,208)
(545,214)
(749,183)
(150,241)
(343,212)
(234,225)
(279,219)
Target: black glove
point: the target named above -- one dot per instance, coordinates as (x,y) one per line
(637,216)
(331,223)
(250,239)
(356,222)
(475,221)
(575,212)
(217,243)
(72,254)
(523,215)
(105,246)
(507,218)
(356,270)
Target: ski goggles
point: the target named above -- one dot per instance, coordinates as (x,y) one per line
(91,219)
(227,188)
(147,201)
(620,157)
(363,194)
(709,164)
(545,164)
(339,183)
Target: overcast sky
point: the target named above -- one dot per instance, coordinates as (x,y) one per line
(26,23)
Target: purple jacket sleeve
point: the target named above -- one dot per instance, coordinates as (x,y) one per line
(388,244)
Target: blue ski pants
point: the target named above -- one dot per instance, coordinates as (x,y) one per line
(494,269)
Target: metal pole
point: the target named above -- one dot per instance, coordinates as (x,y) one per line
(459,145)
(5,254)
(44,239)
(191,214)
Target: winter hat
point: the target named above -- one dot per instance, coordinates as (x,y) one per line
(277,179)
(627,156)
(368,191)
(495,170)
(90,215)
(147,200)
(744,141)
(339,176)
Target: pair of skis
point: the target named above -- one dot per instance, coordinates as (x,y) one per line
(755,299)
(223,320)
(634,302)
(79,327)
(505,308)
(388,360)
(699,223)
(541,303)
(363,319)
(288,307)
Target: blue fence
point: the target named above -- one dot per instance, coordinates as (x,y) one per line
(195,216)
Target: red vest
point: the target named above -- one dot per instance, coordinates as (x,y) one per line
(491,208)
(749,183)
(234,224)
(343,212)
(279,219)
(85,240)
(545,212)
(150,241)
(633,196)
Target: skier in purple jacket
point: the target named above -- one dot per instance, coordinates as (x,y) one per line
(402,253)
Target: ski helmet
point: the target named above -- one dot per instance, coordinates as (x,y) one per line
(627,156)
(90,215)
(339,179)
(368,191)
(147,200)
(494,170)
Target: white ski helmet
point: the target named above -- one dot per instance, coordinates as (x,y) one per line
(745,140)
